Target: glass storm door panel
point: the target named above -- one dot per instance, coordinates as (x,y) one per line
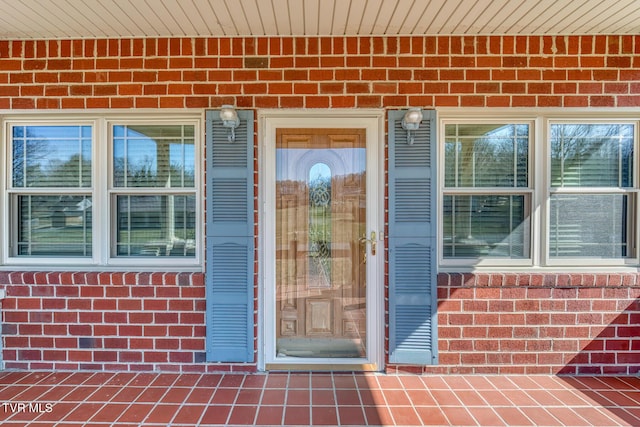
(320,246)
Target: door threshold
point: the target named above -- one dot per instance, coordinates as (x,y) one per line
(322,367)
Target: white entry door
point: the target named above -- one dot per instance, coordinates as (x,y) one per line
(323,247)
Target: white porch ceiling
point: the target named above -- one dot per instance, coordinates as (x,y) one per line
(47,19)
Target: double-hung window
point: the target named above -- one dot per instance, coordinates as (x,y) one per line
(486,197)
(50,190)
(591,192)
(153,193)
(539,191)
(103,191)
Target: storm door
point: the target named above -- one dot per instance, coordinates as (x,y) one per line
(322,244)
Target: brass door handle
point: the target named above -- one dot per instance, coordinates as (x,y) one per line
(373,240)
(374,243)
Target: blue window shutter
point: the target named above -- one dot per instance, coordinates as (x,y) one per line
(412,242)
(230,240)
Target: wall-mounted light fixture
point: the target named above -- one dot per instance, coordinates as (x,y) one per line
(411,123)
(230,120)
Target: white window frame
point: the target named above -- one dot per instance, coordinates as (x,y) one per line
(539,184)
(113,192)
(527,191)
(632,192)
(102,194)
(10,214)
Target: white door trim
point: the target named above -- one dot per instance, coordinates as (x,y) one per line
(268,122)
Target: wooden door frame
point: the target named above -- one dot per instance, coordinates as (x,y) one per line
(268,121)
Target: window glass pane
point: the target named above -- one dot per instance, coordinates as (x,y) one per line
(54,226)
(51,156)
(154,156)
(486,155)
(156,226)
(591,155)
(589,225)
(486,225)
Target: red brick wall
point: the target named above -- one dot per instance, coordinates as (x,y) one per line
(104,321)
(340,72)
(488,323)
(539,324)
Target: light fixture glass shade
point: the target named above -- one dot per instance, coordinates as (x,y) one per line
(229,116)
(412,119)
(230,120)
(411,122)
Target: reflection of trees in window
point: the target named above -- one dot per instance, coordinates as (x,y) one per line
(47,162)
(29,155)
(68,171)
(597,223)
(140,174)
(477,222)
(486,155)
(144,173)
(51,156)
(153,156)
(591,155)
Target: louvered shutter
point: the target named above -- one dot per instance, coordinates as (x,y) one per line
(412,242)
(230,240)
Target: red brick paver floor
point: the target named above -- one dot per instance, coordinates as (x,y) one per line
(326,399)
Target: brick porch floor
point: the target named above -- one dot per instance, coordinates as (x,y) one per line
(149,399)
